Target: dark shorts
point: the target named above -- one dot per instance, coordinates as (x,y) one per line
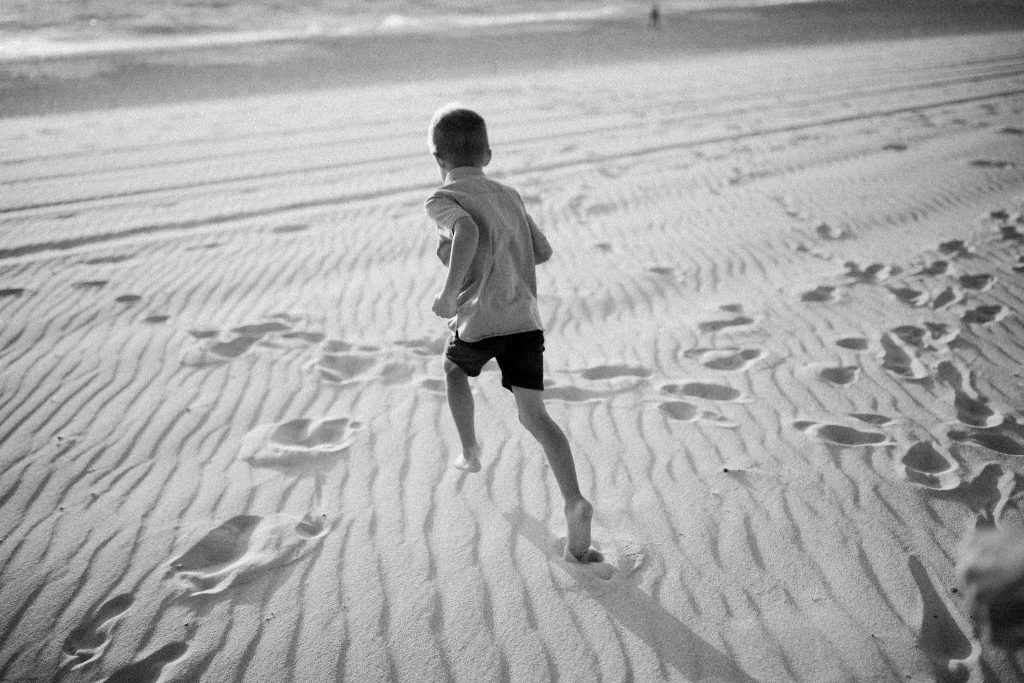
(520,357)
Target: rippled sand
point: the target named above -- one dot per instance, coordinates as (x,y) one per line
(784,337)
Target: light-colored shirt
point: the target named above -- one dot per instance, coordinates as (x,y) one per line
(499,294)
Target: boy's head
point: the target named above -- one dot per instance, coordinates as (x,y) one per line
(458,137)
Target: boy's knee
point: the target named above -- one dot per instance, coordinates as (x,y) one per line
(452,370)
(533,416)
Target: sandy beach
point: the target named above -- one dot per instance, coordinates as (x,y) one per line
(785,337)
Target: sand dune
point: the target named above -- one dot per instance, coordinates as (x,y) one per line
(784,337)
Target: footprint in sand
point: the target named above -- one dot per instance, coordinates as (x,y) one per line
(337,366)
(299,442)
(1019,268)
(940,637)
(946,298)
(11,291)
(1010,130)
(1000,443)
(155,319)
(396,372)
(840,435)
(821,294)
(984,314)
(937,336)
(573,394)
(925,466)
(150,668)
(684,411)
(260,330)
(243,548)
(603,372)
(215,347)
(1011,233)
(680,410)
(128,299)
(989,491)
(212,351)
(87,642)
(853,343)
(971,408)
(873,419)
(900,361)
(894,147)
(871,274)
(934,268)
(719,325)
(704,390)
(728,359)
(980,282)
(955,248)
(911,297)
(831,232)
(843,375)
(434,386)
(619,559)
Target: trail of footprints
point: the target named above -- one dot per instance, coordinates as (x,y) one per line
(925,353)
(240,549)
(246,546)
(87,642)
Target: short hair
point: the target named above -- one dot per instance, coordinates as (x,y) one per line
(458,135)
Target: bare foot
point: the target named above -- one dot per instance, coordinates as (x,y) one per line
(470,460)
(577,518)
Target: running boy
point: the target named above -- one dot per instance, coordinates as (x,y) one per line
(490,245)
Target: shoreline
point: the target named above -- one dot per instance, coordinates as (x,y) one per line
(109,81)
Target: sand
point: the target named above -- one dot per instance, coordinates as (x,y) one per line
(784,324)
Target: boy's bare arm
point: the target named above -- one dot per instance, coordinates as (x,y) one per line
(541,248)
(466,235)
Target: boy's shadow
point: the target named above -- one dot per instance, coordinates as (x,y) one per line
(674,643)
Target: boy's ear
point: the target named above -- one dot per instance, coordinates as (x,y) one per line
(487,157)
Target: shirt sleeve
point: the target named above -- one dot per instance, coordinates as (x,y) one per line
(541,247)
(444,211)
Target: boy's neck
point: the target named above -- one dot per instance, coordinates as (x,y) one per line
(447,166)
(447,171)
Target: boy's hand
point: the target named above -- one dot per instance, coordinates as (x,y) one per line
(445,306)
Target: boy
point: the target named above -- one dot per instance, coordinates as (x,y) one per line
(490,245)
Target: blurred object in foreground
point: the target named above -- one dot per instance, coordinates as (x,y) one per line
(991,569)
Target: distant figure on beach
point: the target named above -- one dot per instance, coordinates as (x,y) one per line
(491,245)
(655,16)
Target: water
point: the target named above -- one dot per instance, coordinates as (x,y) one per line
(31,29)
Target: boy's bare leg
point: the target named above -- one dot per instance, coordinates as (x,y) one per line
(460,400)
(578,511)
